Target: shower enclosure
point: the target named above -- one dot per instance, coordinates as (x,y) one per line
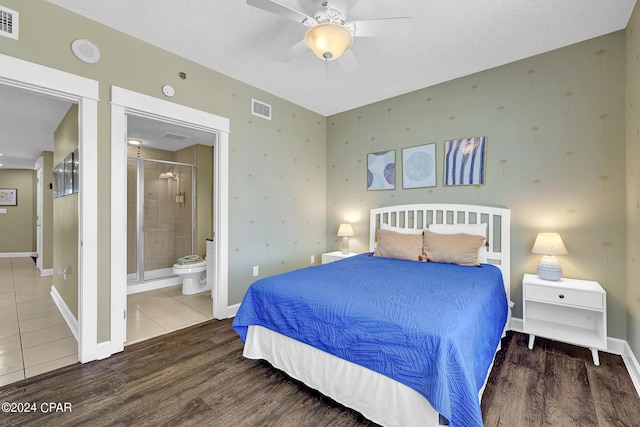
(160,221)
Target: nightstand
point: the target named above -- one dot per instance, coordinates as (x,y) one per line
(568,310)
(335,256)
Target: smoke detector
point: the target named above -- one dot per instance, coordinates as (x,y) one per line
(85,51)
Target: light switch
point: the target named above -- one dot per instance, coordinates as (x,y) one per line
(3,211)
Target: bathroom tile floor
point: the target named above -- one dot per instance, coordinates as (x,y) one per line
(157,312)
(34,337)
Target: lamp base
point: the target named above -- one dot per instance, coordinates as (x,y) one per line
(345,245)
(549,268)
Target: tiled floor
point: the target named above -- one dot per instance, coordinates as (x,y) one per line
(154,313)
(34,337)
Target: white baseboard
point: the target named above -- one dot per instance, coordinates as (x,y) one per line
(232,310)
(614,346)
(516,324)
(65,311)
(47,272)
(17,254)
(632,365)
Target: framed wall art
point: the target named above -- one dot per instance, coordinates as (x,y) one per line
(419,166)
(465,160)
(381,170)
(8,197)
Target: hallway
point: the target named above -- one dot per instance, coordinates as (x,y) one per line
(34,337)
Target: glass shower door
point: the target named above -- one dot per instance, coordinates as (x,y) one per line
(160,217)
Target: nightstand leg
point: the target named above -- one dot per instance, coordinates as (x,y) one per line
(596,358)
(531,339)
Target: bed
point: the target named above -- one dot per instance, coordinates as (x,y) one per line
(403,342)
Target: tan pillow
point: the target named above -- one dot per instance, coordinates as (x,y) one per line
(458,248)
(398,245)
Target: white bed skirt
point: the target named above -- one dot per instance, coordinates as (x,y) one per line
(377,397)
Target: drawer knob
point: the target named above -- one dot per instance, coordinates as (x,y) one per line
(561,296)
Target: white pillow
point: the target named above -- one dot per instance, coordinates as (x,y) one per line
(400,230)
(473,229)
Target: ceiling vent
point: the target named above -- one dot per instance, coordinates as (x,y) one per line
(260,109)
(8,23)
(174,136)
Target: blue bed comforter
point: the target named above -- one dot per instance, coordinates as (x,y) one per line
(433,327)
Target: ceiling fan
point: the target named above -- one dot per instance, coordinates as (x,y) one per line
(330,35)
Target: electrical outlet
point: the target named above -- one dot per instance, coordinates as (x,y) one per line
(313,259)
(255,270)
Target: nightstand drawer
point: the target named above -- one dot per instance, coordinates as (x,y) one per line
(564,296)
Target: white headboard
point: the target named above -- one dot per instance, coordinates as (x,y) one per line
(419,216)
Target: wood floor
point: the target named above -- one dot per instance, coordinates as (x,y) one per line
(198,377)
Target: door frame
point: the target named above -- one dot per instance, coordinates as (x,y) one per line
(84,92)
(39,211)
(123,103)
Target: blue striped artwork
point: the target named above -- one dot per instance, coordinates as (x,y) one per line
(464,161)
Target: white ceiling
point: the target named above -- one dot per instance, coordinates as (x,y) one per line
(448,39)
(27,123)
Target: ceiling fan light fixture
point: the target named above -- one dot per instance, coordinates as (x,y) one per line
(328,40)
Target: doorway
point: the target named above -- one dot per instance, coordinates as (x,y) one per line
(126,104)
(84,92)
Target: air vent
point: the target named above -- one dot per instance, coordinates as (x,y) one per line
(260,109)
(8,23)
(174,136)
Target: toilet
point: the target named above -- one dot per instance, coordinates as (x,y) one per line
(194,277)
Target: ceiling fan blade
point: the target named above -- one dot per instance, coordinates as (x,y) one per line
(388,27)
(283,10)
(294,51)
(349,62)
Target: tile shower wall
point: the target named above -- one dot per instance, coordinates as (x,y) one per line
(168,224)
(555,157)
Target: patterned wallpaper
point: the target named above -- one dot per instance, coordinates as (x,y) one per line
(277,192)
(555,155)
(633,181)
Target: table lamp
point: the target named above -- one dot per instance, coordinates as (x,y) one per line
(345,231)
(549,245)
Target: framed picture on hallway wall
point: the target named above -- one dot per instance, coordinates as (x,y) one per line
(464,161)
(8,197)
(419,166)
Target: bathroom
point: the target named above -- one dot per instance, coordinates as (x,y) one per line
(169,217)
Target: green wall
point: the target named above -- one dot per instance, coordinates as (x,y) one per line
(65,217)
(18,225)
(556,154)
(633,181)
(555,157)
(277,185)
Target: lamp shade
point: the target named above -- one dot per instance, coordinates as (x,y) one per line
(345,230)
(549,244)
(328,40)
